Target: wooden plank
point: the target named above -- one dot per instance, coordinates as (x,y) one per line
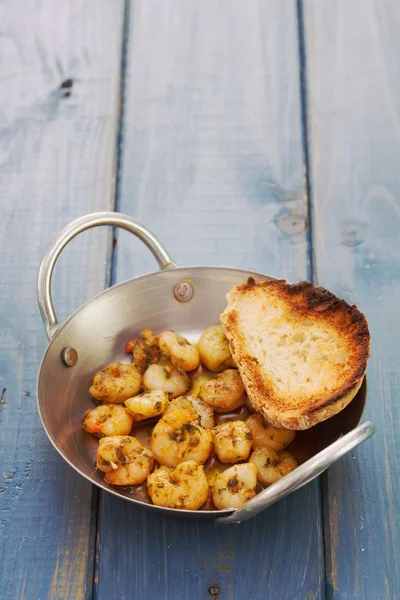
(212,163)
(354,91)
(59,114)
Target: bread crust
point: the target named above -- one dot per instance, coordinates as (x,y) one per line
(304,301)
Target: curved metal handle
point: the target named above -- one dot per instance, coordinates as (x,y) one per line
(67,234)
(302,475)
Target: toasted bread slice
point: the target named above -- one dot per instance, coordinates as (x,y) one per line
(301,351)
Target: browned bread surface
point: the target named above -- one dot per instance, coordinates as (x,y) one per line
(301,351)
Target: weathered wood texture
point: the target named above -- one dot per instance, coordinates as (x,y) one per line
(212,162)
(353,51)
(58,121)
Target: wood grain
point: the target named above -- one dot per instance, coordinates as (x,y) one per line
(353,53)
(59,113)
(212,162)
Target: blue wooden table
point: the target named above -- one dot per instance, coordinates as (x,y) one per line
(262,134)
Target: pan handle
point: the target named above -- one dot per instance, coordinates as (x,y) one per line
(302,475)
(67,234)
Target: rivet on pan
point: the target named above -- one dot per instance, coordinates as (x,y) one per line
(69,356)
(214,590)
(183,291)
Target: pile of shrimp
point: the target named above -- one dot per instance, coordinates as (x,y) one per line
(184,439)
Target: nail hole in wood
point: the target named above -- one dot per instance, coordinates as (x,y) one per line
(66,87)
(67,84)
(214,590)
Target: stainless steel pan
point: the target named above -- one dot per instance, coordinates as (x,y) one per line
(187,299)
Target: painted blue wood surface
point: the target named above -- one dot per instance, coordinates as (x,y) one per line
(353,51)
(58,114)
(212,162)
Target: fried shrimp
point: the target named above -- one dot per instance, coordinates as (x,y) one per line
(124,459)
(185,487)
(203,413)
(181,352)
(268,436)
(235,486)
(107,419)
(147,405)
(202,460)
(232,441)
(177,438)
(225,392)
(115,383)
(214,349)
(145,350)
(167,378)
(272,465)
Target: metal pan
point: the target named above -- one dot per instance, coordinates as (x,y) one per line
(187,299)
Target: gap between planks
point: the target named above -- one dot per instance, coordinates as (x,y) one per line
(109,274)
